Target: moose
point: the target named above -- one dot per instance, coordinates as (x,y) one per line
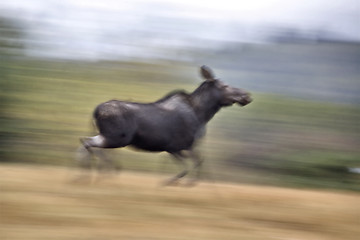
(172,124)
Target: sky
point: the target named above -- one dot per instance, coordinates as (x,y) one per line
(113,28)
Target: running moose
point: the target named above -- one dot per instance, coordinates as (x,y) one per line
(172,124)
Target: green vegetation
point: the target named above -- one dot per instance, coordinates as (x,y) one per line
(274,140)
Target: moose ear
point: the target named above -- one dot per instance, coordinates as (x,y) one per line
(207,73)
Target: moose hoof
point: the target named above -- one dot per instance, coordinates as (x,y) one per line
(171,182)
(191,183)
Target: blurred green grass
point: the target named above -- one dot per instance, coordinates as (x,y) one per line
(47,105)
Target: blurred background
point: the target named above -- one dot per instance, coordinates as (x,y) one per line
(299,59)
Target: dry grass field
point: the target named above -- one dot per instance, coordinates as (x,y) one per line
(40,202)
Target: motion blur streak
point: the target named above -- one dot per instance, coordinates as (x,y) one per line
(299,59)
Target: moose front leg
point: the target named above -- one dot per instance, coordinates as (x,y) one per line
(197,163)
(179,159)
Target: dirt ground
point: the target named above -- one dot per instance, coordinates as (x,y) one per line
(40,202)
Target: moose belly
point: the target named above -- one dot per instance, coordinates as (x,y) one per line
(163,142)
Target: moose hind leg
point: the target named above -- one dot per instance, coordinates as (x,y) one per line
(83,157)
(85,152)
(96,141)
(106,162)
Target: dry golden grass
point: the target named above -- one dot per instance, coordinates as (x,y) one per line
(42,203)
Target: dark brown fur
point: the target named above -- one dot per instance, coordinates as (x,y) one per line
(171,124)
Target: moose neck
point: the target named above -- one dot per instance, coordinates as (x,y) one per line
(204,104)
